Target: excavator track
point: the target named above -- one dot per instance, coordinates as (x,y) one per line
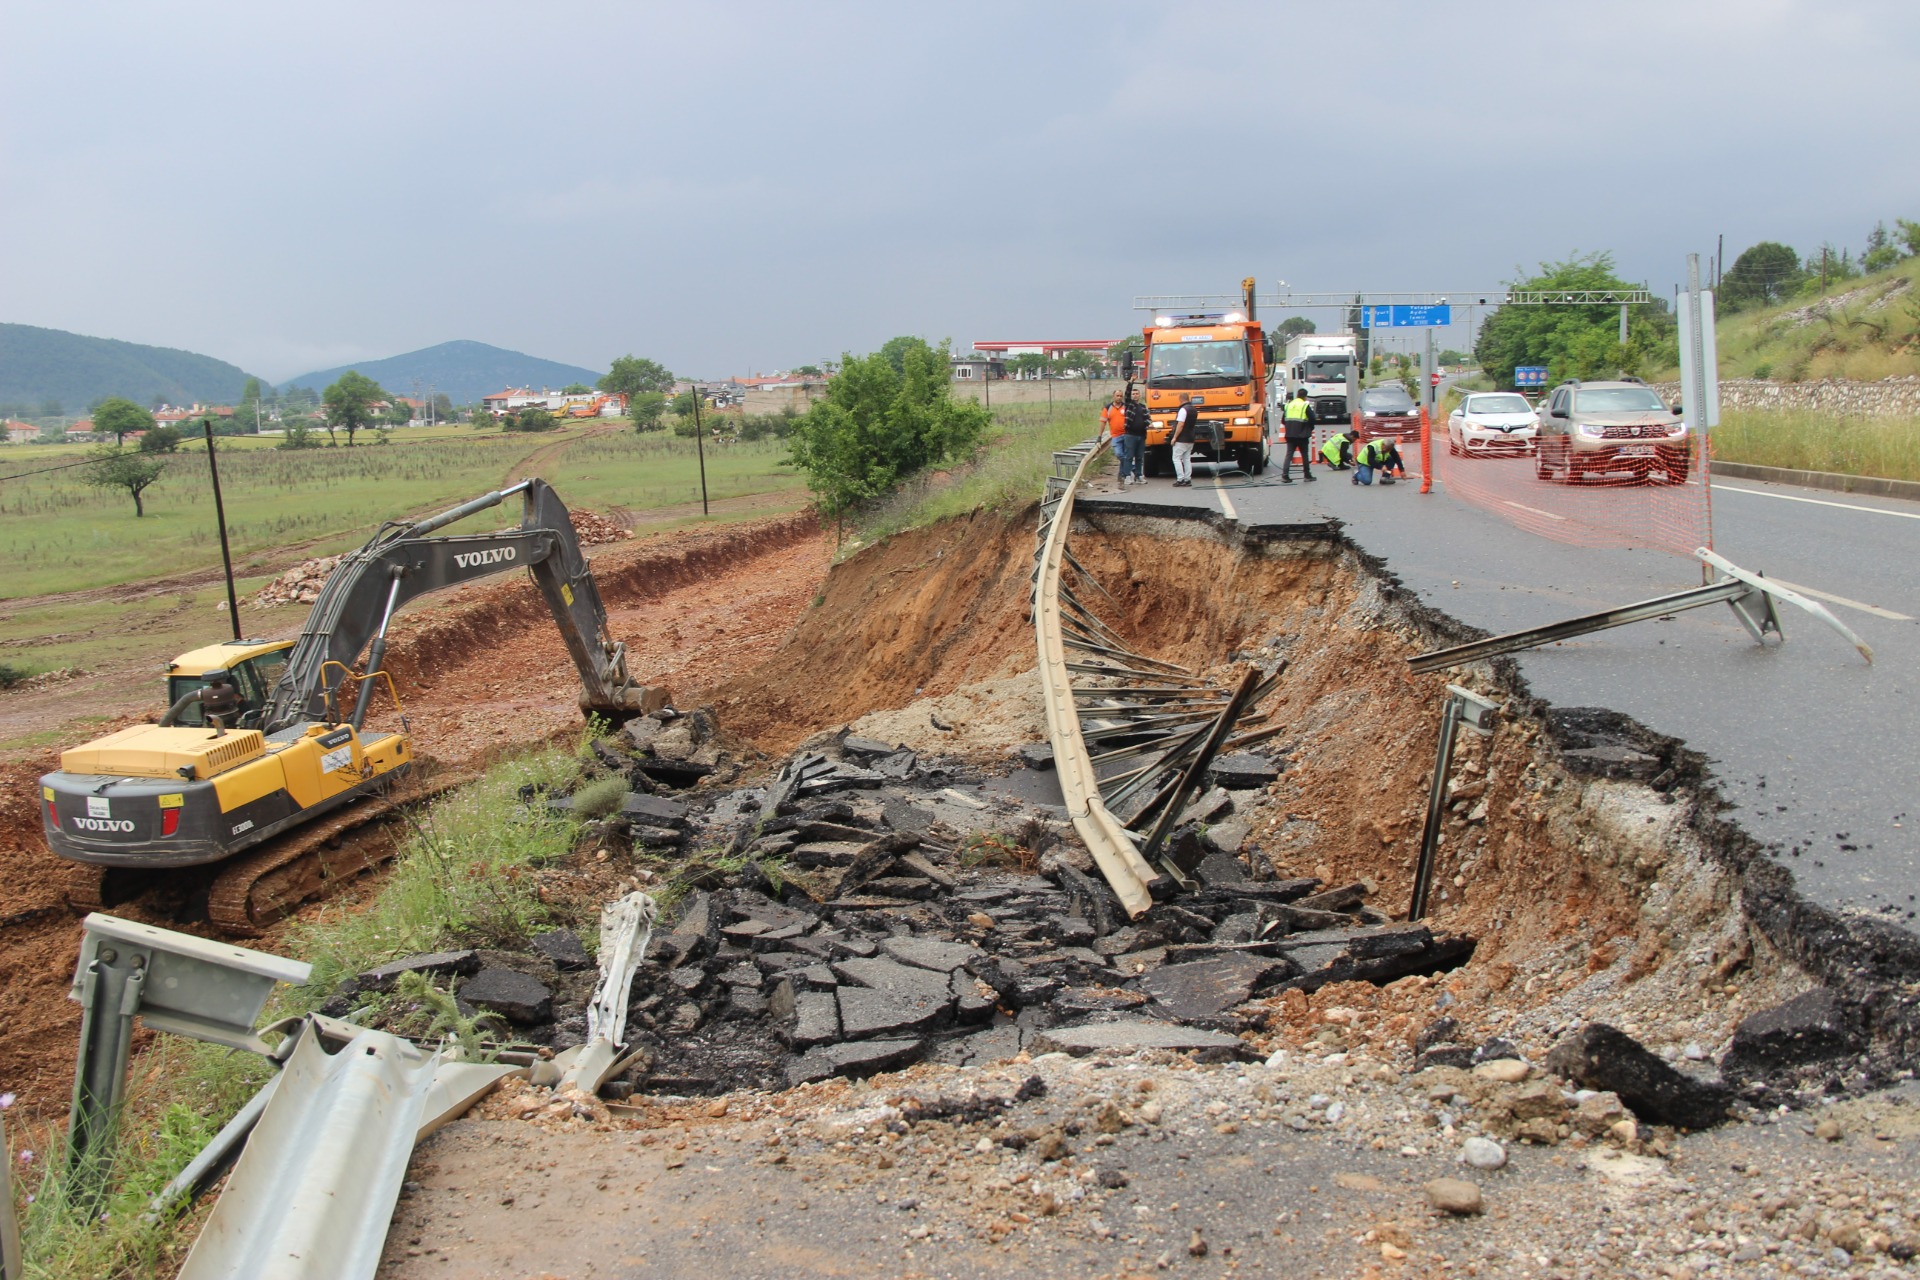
(258,888)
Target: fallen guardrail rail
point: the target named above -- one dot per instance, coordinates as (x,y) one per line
(1750,595)
(1133,741)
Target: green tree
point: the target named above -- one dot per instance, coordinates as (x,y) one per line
(349,403)
(894,351)
(1292,327)
(297,433)
(116,468)
(878,423)
(1027,362)
(1573,341)
(575,389)
(808,371)
(442,407)
(161,440)
(1908,233)
(682,404)
(530,419)
(646,409)
(1763,274)
(397,414)
(1881,252)
(1071,364)
(634,375)
(120,417)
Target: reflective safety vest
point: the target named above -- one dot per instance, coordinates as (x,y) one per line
(1332,449)
(1373,453)
(1298,411)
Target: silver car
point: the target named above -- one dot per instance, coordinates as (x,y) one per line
(1599,429)
(1492,422)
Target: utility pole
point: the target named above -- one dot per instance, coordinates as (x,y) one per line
(700,447)
(220,518)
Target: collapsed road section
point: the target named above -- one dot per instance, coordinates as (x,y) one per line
(901,896)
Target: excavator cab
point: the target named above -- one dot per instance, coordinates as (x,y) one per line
(252,667)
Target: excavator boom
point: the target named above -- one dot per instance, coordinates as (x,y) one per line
(404,561)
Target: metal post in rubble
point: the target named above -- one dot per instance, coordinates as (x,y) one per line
(1464,707)
(700,447)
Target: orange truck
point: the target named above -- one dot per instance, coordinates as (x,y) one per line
(1226,360)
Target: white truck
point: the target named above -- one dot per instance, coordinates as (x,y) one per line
(1320,362)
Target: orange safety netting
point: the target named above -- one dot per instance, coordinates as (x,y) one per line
(1632,495)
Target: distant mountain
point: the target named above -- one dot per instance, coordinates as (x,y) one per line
(463,371)
(38,365)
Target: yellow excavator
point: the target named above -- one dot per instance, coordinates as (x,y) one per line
(262,737)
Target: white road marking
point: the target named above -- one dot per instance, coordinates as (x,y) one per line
(1820,502)
(1830,598)
(1226,503)
(1537,511)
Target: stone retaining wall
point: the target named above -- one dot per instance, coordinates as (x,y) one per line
(1887,397)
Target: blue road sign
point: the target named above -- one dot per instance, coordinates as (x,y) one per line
(1406,316)
(1530,375)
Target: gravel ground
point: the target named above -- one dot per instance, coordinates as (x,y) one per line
(1317,1162)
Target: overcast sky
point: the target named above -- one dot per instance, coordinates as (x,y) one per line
(731,187)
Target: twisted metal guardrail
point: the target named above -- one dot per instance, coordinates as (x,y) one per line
(1133,741)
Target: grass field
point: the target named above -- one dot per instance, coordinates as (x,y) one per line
(57,534)
(1888,447)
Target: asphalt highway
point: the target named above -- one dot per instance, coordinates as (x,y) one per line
(1819,752)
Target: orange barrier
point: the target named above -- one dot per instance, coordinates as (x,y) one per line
(1651,496)
(1426,450)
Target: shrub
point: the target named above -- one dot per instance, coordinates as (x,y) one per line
(598,799)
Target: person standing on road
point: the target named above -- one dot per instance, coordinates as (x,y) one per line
(1186,430)
(1138,420)
(1299,424)
(1114,416)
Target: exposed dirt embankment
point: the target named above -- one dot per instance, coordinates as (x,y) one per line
(487,667)
(917,615)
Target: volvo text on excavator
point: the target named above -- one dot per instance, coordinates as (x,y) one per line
(263,737)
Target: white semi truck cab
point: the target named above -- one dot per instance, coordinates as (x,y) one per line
(1320,363)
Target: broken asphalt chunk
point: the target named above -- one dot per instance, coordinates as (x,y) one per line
(1242,771)
(517,997)
(441,963)
(865,1012)
(564,948)
(858,1059)
(1602,1057)
(1204,989)
(927,953)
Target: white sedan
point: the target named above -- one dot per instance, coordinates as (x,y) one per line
(1492,422)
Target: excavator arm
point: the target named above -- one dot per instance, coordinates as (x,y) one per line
(404,561)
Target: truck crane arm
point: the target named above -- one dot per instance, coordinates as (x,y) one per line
(403,561)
